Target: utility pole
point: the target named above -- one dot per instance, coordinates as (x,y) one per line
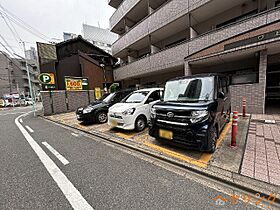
(29,80)
(9,78)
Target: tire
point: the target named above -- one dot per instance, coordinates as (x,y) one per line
(213,136)
(101,117)
(140,123)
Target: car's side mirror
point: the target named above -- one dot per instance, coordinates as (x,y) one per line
(221,95)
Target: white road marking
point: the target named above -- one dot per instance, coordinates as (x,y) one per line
(74,134)
(20,120)
(56,153)
(74,197)
(30,129)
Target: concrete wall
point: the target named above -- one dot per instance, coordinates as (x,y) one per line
(56,102)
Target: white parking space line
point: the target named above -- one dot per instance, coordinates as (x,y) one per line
(74,134)
(20,120)
(30,129)
(71,193)
(56,153)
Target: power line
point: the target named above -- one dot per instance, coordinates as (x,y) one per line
(17,38)
(23,24)
(6,47)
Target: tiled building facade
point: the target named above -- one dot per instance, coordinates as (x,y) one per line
(13,76)
(163,39)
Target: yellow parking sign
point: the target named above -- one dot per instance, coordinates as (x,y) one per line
(46,78)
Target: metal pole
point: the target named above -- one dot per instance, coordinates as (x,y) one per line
(234,129)
(9,77)
(244,107)
(29,82)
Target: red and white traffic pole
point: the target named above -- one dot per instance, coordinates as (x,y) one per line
(244,107)
(234,129)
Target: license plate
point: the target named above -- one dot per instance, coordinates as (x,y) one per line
(165,134)
(114,123)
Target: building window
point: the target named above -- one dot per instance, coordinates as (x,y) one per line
(244,77)
(277,3)
(23,63)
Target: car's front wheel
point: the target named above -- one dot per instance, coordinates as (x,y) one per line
(140,123)
(101,117)
(213,137)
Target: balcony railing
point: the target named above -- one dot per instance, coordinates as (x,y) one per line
(174,56)
(159,18)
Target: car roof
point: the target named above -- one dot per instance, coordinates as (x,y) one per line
(198,75)
(148,89)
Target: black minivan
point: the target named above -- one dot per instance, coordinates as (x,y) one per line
(193,111)
(97,111)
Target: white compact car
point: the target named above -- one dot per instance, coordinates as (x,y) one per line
(133,112)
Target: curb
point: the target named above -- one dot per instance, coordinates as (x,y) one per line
(227,177)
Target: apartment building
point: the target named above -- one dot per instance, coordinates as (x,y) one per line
(13,76)
(100,37)
(31,54)
(162,39)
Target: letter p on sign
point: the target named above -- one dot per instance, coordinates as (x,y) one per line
(46,78)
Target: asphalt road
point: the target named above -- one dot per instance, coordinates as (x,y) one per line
(96,176)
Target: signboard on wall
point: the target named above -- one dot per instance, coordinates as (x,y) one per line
(97,92)
(47,80)
(252,40)
(76,83)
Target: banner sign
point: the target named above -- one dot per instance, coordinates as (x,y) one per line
(97,93)
(76,83)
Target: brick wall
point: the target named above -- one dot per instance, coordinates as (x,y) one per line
(254,93)
(56,102)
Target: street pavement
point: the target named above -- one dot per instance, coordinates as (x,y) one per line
(92,175)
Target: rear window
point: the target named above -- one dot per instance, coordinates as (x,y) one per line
(136,97)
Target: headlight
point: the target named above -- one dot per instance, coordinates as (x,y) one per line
(87,110)
(153,112)
(198,116)
(129,111)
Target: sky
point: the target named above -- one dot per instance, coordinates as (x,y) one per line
(52,18)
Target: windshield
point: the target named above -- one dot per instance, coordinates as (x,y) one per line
(189,90)
(109,98)
(136,97)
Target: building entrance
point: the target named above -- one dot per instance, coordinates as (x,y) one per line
(272,102)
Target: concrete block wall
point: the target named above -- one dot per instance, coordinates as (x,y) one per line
(56,102)
(91,96)
(59,99)
(47,102)
(77,99)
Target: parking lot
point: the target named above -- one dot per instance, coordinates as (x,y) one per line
(200,159)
